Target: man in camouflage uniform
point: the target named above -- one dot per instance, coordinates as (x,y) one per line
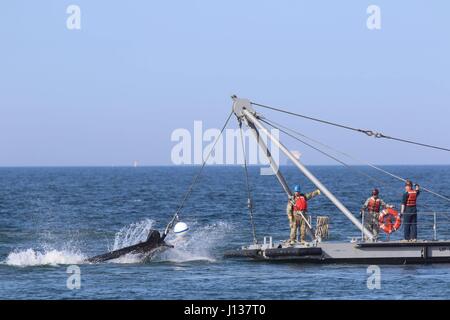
(296,207)
(373,206)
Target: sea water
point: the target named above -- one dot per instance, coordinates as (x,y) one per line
(53,218)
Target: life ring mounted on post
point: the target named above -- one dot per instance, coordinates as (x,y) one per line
(385,220)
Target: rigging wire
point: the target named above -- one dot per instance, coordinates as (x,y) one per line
(278,126)
(249,199)
(328,155)
(349,156)
(284,130)
(369,133)
(194,181)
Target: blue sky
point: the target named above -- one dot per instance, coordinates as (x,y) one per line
(114,91)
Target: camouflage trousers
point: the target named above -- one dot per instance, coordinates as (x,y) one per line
(296,222)
(371,223)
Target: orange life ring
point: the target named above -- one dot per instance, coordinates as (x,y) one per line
(385,220)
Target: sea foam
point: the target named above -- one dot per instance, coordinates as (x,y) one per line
(31,257)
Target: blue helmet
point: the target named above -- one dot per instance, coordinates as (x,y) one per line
(297,188)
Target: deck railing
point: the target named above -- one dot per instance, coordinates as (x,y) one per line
(433,220)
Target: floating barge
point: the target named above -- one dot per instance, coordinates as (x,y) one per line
(364,250)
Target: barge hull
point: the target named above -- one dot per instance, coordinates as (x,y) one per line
(395,253)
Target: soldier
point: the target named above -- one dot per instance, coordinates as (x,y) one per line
(373,205)
(298,206)
(409,210)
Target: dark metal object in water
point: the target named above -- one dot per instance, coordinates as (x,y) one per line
(153,244)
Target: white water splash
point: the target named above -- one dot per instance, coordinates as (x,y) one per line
(132,234)
(199,244)
(30,257)
(129,258)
